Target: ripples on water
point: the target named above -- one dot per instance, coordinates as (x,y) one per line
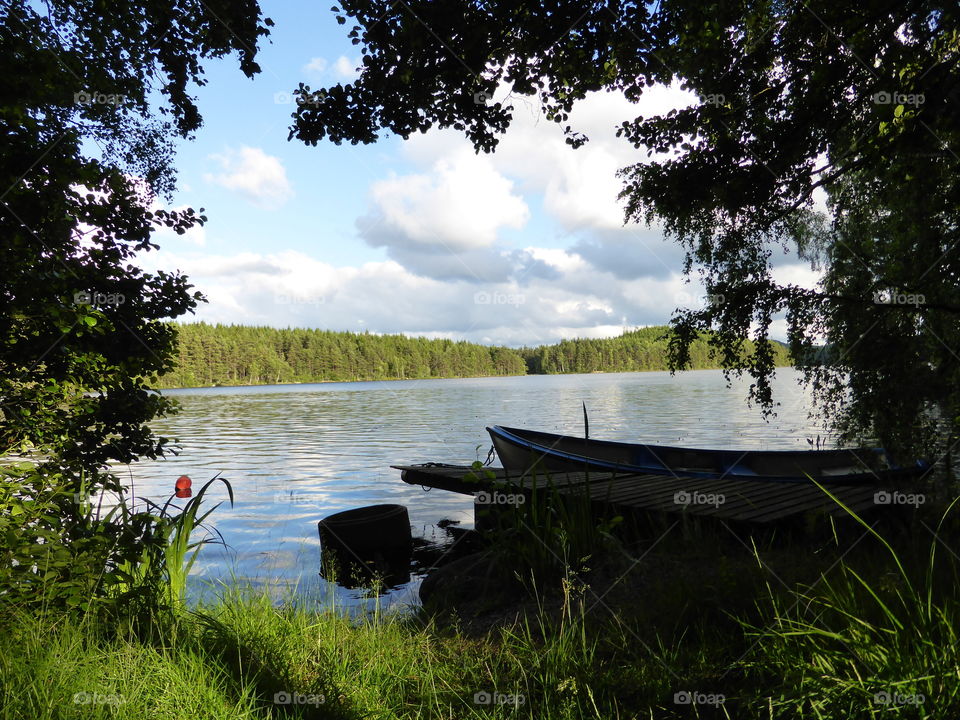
(296,453)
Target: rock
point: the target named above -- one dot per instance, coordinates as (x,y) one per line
(474,582)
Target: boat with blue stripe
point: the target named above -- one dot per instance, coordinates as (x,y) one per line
(522,451)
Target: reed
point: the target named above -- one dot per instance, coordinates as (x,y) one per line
(871,631)
(876,637)
(555,530)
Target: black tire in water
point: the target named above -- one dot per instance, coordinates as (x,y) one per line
(366,531)
(360,543)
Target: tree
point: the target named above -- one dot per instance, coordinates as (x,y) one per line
(84,156)
(861,102)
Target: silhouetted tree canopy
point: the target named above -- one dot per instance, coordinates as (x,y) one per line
(861,101)
(93,94)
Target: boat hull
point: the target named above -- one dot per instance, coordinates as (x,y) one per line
(523,451)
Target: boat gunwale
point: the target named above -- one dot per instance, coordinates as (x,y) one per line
(509,435)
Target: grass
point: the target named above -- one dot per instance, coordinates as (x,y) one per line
(56,669)
(231,661)
(801,627)
(874,644)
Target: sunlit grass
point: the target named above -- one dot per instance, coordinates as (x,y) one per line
(51,669)
(871,639)
(777,631)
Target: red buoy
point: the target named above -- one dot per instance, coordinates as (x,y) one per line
(182,487)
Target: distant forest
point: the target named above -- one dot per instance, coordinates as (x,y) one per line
(244,355)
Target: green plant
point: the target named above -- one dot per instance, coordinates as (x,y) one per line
(63,553)
(165,561)
(557,528)
(47,558)
(866,642)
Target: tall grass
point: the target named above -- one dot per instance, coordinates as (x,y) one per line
(874,635)
(151,557)
(853,635)
(234,658)
(557,528)
(878,639)
(57,669)
(175,551)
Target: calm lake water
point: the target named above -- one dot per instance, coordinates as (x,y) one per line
(296,453)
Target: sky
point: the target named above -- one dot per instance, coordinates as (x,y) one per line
(422,237)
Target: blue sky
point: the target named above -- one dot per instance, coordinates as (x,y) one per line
(421,236)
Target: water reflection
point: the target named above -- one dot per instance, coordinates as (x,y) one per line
(297,453)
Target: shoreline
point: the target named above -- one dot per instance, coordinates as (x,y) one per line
(435,377)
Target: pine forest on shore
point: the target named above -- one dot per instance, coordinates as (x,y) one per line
(245,355)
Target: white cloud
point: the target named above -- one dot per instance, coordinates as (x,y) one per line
(579,187)
(448,227)
(435,221)
(346,69)
(447,221)
(296,289)
(250,171)
(798,274)
(316,65)
(343,69)
(459,205)
(557,258)
(197,235)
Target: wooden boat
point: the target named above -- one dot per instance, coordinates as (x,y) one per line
(527,450)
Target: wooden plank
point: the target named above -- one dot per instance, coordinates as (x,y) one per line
(729,487)
(662,496)
(779,511)
(628,493)
(856,498)
(802,499)
(745,500)
(846,494)
(756,501)
(639,492)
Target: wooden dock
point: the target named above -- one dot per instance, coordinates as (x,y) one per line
(735,500)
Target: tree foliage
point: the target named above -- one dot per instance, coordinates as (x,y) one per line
(633,351)
(83,158)
(243,355)
(861,102)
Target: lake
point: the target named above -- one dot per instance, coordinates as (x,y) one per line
(296,453)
